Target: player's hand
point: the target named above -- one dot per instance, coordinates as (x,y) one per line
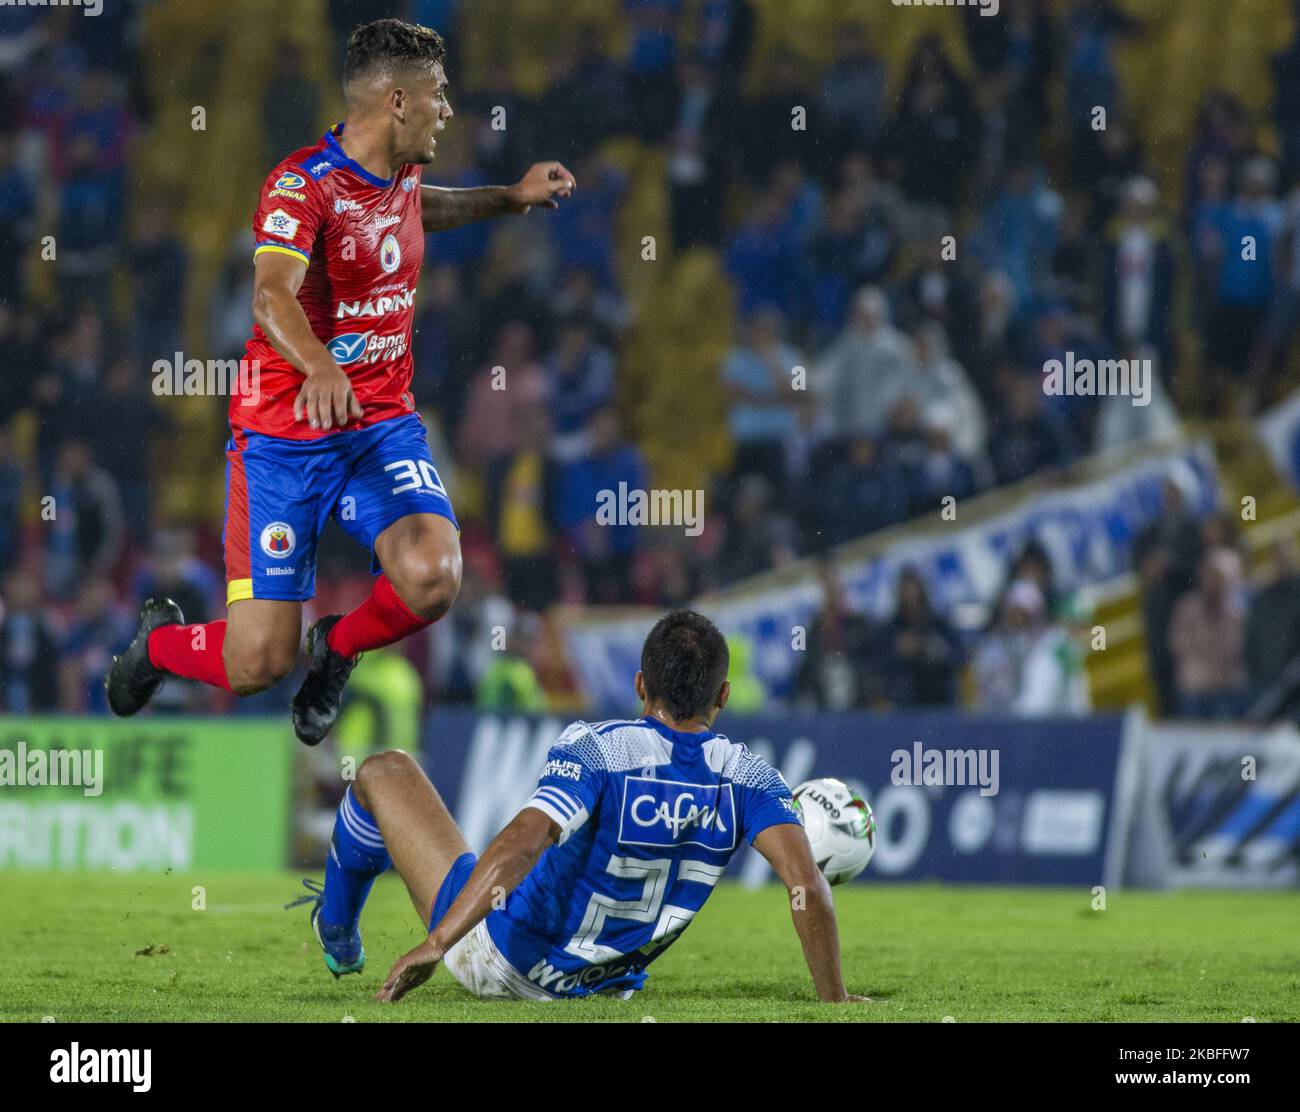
(411,971)
(544,182)
(326,399)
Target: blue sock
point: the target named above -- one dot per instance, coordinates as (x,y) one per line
(357,855)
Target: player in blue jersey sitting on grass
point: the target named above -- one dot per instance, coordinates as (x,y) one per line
(631,826)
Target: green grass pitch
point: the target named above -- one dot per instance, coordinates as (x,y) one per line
(126,948)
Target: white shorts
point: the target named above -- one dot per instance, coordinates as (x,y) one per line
(477,964)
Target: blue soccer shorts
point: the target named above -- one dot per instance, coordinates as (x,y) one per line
(455,880)
(281,492)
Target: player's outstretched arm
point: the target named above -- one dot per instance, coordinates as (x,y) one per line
(508,858)
(450,208)
(326,398)
(786,848)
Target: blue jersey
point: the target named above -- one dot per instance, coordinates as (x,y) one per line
(649,818)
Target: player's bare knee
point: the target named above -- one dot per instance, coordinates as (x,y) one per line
(428,585)
(381,767)
(256,667)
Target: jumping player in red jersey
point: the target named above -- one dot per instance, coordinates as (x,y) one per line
(332,428)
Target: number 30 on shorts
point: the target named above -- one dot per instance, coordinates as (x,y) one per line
(415,474)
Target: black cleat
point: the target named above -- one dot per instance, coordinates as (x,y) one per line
(132,680)
(320,697)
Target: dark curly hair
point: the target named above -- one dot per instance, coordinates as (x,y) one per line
(389,47)
(684,662)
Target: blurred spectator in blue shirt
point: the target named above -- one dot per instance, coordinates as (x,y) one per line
(100,630)
(85,527)
(1025,439)
(17,207)
(858,495)
(758,378)
(29,654)
(605,548)
(764,257)
(580,381)
(652,54)
(11,491)
(174,571)
(578,293)
(1238,243)
(724,37)
(583,227)
(855,244)
(99,116)
(1019,230)
(90,219)
(1222,134)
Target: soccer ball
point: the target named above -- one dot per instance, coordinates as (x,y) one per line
(840,827)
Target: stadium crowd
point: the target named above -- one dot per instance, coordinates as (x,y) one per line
(923,361)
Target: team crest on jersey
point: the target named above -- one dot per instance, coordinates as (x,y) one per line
(280,224)
(390,255)
(668,813)
(278,540)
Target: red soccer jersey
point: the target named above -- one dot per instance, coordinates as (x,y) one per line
(363,243)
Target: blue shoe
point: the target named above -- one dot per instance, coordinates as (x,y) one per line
(342,945)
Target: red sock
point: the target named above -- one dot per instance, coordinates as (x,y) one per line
(382,619)
(191,651)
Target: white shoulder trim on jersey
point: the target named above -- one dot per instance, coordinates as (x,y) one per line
(561,808)
(734,762)
(719,751)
